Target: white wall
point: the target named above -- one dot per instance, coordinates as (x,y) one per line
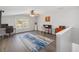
(11,21)
(76,27)
(41,21)
(69,17)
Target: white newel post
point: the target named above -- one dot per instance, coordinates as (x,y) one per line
(64,41)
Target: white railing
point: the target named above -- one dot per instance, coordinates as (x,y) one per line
(64,41)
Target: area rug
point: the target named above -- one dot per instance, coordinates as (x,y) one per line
(34,42)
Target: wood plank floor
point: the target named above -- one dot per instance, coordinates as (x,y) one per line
(11,44)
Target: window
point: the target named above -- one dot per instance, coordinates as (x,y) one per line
(22,23)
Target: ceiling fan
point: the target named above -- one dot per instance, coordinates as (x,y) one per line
(34,13)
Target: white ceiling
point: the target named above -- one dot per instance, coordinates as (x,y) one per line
(13,10)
